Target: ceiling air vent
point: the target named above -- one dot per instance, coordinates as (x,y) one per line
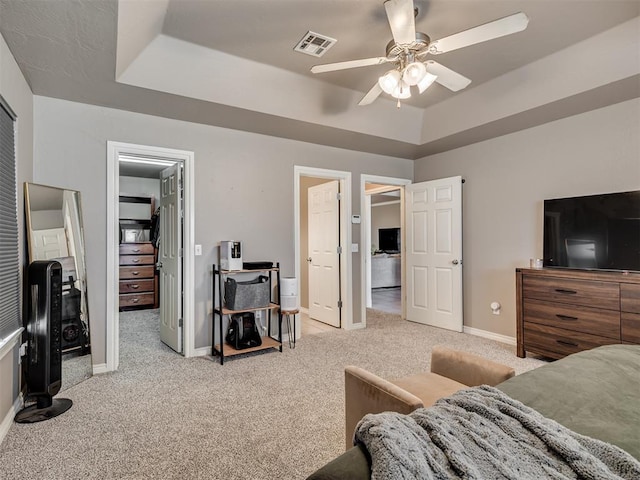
(314,44)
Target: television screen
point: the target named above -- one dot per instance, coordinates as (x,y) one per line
(593,232)
(389,240)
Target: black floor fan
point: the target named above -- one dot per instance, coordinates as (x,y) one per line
(43,361)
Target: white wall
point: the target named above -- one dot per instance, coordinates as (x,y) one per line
(141,186)
(244,189)
(384,216)
(17,94)
(508,178)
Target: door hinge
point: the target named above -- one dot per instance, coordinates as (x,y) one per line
(180,322)
(339,250)
(180,252)
(339,303)
(338,196)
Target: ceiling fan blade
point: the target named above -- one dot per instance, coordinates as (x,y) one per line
(364,62)
(401,20)
(371,95)
(498,28)
(447,77)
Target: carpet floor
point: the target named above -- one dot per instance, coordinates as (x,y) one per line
(263,416)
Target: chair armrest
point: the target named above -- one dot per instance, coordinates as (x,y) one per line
(367,393)
(467,368)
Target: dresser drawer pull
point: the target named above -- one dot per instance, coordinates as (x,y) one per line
(135,273)
(136,250)
(568,344)
(136,300)
(566,317)
(135,287)
(135,260)
(566,291)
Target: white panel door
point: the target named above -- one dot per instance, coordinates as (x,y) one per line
(433,220)
(170,257)
(324,238)
(49,243)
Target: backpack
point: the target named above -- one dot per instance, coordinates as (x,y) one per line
(243,331)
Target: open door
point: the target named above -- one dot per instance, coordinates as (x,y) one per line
(170,257)
(433,221)
(324,259)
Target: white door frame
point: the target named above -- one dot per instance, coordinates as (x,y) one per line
(114,151)
(365,235)
(346,274)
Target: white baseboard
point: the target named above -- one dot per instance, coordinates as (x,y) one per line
(8,418)
(201,352)
(100,368)
(356,326)
(490,335)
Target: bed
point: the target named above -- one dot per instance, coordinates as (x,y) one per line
(594,393)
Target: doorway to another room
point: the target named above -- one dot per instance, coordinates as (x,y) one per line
(323,263)
(150,249)
(151,237)
(383,234)
(430,248)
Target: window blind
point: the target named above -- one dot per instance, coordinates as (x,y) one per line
(9,259)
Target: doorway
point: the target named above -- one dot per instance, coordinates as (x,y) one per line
(304,178)
(133,160)
(382,200)
(431,237)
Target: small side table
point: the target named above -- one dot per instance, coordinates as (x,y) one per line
(288,314)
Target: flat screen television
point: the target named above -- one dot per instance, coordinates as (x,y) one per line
(593,232)
(389,240)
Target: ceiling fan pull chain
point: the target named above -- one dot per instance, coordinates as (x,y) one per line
(398,104)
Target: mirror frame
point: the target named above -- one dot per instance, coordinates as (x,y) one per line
(84,304)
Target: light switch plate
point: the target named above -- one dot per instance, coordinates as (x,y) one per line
(198,250)
(354,248)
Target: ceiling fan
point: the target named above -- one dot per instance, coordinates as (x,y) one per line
(408,49)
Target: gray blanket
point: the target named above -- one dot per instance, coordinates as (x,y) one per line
(481,433)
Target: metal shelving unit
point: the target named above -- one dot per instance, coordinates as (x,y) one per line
(220,312)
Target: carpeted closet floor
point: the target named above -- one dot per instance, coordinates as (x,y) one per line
(266,416)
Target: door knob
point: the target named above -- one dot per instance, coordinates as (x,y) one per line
(455,262)
(309,259)
(159,265)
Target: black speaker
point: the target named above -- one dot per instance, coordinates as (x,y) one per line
(43,365)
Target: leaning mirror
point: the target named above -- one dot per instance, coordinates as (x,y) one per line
(54,232)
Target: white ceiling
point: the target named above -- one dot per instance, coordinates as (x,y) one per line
(231,63)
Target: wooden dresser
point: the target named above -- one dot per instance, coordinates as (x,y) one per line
(560,312)
(137,275)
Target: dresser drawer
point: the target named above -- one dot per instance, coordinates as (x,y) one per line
(595,321)
(558,342)
(575,292)
(135,299)
(136,286)
(630,327)
(136,260)
(136,272)
(630,298)
(136,249)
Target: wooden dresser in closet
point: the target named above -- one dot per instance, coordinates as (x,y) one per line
(137,275)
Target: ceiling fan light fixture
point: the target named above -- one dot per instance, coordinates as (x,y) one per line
(402,91)
(414,73)
(390,81)
(426,81)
